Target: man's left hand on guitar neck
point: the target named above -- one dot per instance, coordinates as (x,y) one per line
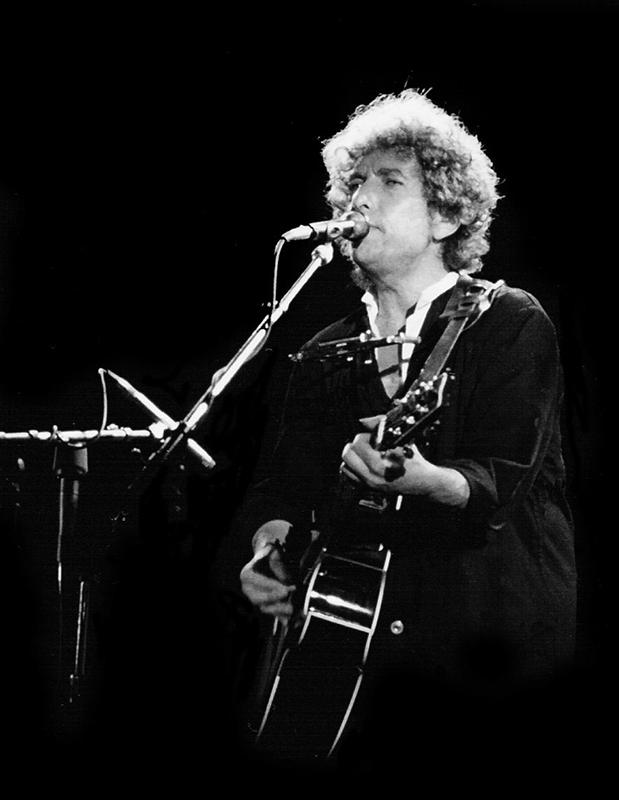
(395,472)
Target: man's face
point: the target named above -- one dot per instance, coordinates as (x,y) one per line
(387,188)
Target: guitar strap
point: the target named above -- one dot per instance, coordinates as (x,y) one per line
(470,298)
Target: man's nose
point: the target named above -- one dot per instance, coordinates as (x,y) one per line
(362,199)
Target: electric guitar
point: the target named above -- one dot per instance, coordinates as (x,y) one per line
(318,657)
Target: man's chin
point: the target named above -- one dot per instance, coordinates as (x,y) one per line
(362,257)
(357,252)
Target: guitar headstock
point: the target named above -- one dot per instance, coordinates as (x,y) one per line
(412,414)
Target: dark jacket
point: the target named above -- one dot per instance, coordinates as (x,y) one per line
(490,587)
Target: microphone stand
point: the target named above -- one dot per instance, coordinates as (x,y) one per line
(321,256)
(70,466)
(177,434)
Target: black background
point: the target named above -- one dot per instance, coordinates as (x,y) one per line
(161,157)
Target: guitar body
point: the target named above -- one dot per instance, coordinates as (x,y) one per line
(318,674)
(318,663)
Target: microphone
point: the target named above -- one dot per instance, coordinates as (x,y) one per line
(161,417)
(352,225)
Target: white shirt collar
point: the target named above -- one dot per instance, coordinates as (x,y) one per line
(429,294)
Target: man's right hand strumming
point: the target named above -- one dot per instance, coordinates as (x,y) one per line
(265,580)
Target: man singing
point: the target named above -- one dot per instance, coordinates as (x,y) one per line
(480,590)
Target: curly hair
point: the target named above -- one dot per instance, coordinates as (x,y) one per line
(458,178)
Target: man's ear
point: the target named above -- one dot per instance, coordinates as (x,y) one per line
(443,227)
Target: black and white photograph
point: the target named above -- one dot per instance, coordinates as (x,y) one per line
(305,321)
